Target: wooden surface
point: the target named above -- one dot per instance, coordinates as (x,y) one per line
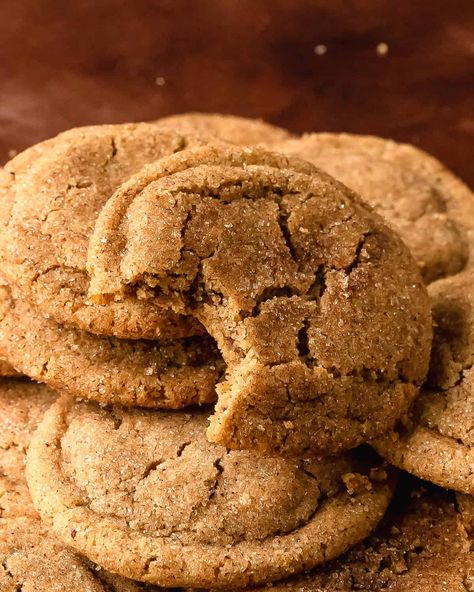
(66,63)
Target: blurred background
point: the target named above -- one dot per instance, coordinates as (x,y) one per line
(403,69)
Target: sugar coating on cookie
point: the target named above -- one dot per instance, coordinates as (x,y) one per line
(144,494)
(231,128)
(436,440)
(168,373)
(317,307)
(420,545)
(22,405)
(51,195)
(427,205)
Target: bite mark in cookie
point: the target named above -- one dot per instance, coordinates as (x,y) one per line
(317,307)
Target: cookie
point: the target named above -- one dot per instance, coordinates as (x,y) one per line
(50,197)
(230,128)
(436,440)
(421,545)
(168,374)
(22,405)
(426,204)
(30,557)
(317,307)
(144,494)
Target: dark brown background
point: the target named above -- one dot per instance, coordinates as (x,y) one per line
(66,63)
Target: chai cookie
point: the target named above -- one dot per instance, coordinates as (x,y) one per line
(51,195)
(317,307)
(420,545)
(436,440)
(145,495)
(426,204)
(230,128)
(170,374)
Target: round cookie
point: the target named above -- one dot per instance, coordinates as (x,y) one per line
(50,197)
(420,545)
(427,205)
(436,440)
(145,495)
(317,307)
(169,374)
(230,128)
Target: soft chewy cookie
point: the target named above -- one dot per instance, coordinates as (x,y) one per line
(237,130)
(436,440)
(432,210)
(50,197)
(317,307)
(169,374)
(144,494)
(31,559)
(421,545)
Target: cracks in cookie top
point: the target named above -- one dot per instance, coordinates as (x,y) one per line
(291,274)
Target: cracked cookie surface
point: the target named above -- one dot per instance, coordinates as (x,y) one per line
(426,204)
(168,374)
(51,195)
(436,439)
(230,128)
(144,494)
(420,545)
(317,307)
(31,558)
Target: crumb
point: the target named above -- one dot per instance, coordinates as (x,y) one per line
(320,49)
(382,49)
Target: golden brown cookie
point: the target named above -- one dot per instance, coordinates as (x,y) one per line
(428,206)
(144,494)
(421,545)
(22,405)
(168,374)
(436,440)
(230,128)
(317,307)
(50,197)
(31,559)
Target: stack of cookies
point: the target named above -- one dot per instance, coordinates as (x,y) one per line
(249,360)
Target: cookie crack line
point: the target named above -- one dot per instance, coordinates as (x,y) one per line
(341,519)
(304,251)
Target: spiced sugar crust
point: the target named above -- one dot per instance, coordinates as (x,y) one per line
(431,209)
(164,374)
(435,441)
(317,307)
(145,495)
(51,195)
